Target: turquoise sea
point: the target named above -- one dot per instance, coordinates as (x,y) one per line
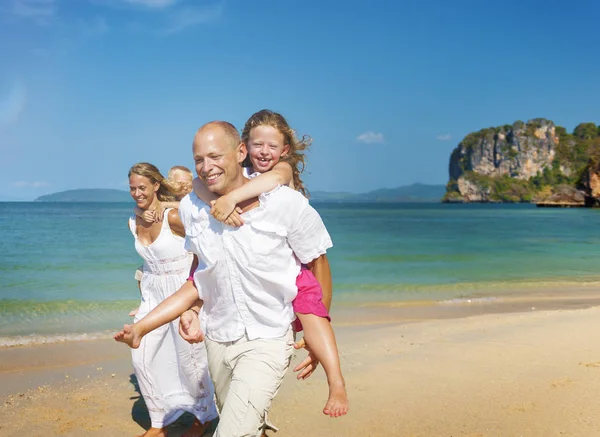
(66,269)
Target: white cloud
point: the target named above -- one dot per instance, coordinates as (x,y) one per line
(157,4)
(40,11)
(444,137)
(167,16)
(371,137)
(36,184)
(186,17)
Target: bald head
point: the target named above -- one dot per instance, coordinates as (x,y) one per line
(218,153)
(220,128)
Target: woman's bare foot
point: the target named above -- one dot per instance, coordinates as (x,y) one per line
(197,429)
(337,404)
(131,337)
(155,432)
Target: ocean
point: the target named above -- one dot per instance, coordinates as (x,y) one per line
(66,269)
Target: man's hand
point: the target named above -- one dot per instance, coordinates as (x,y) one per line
(189,327)
(308,365)
(300,344)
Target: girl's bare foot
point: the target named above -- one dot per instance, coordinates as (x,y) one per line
(197,429)
(155,432)
(131,337)
(337,404)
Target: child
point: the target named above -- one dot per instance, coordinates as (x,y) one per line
(180,180)
(276,154)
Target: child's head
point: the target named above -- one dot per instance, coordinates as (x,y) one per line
(269,139)
(181,179)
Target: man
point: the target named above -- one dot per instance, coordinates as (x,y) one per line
(246,282)
(250,281)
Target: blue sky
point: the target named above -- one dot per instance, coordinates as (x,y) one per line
(385,88)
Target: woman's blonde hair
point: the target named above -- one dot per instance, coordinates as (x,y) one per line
(165,191)
(295,157)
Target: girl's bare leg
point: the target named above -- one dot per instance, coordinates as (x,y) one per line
(319,336)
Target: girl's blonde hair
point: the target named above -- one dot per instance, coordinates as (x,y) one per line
(295,157)
(165,191)
(180,189)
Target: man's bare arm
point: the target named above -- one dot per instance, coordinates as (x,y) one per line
(320,268)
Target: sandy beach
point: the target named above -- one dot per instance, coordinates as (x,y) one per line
(520,367)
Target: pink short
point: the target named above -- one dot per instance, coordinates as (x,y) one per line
(309,299)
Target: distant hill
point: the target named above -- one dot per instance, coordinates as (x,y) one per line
(408,193)
(87,195)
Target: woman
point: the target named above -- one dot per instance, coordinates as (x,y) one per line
(172,374)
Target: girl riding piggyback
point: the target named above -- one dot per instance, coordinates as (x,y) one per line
(275,157)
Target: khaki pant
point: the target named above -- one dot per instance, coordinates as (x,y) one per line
(246,375)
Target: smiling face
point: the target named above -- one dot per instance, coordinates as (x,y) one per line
(266,146)
(218,155)
(142,190)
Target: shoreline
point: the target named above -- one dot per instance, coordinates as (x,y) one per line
(484,368)
(349,312)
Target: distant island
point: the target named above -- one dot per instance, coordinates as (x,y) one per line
(536,161)
(87,195)
(404,194)
(409,193)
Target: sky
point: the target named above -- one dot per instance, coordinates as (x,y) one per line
(386,89)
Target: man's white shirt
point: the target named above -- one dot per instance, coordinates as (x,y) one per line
(247,276)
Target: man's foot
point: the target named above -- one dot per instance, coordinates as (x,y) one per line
(131,337)
(197,429)
(337,404)
(155,432)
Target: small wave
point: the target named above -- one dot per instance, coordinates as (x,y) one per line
(35,339)
(465,300)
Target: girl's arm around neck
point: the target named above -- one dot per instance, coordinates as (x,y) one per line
(173,204)
(281,174)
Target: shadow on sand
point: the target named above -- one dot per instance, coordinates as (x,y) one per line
(139,413)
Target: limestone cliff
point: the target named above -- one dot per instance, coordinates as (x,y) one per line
(521,162)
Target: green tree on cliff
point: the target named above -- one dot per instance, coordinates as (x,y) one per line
(586,131)
(576,152)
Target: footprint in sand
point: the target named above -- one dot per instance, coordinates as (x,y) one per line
(561,382)
(596,364)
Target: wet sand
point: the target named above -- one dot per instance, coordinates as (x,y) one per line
(516,367)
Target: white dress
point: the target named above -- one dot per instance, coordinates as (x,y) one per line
(172,374)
